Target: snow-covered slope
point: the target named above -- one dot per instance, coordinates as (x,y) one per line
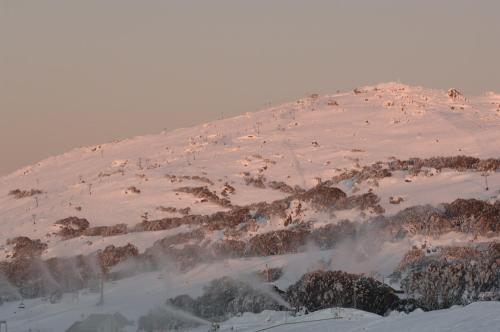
(242,159)
(480,316)
(298,142)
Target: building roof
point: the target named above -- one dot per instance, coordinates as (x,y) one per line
(94,321)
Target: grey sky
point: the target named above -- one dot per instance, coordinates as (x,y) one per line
(83,72)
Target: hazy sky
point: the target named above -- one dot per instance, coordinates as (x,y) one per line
(81,72)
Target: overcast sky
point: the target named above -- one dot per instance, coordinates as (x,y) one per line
(83,72)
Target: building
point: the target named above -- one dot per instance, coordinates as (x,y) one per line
(101,323)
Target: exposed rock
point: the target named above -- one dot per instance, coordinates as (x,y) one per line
(396,199)
(133,190)
(228,190)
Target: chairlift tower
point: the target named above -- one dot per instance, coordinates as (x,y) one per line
(485,175)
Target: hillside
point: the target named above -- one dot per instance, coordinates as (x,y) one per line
(384,181)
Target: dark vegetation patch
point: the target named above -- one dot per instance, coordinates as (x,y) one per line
(105,231)
(183,249)
(112,256)
(328,236)
(257,181)
(72,227)
(446,276)
(417,166)
(205,195)
(18,193)
(34,277)
(226,297)
(277,242)
(321,197)
(24,247)
(470,216)
(459,163)
(228,190)
(177,178)
(325,289)
(283,187)
(184,211)
(133,190)
(190,248)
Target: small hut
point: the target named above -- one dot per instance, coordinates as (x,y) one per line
(101,323)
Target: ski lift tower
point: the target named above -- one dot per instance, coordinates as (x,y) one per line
(101,288)
(485,175)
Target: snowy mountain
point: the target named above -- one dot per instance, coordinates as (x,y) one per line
(384,180)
